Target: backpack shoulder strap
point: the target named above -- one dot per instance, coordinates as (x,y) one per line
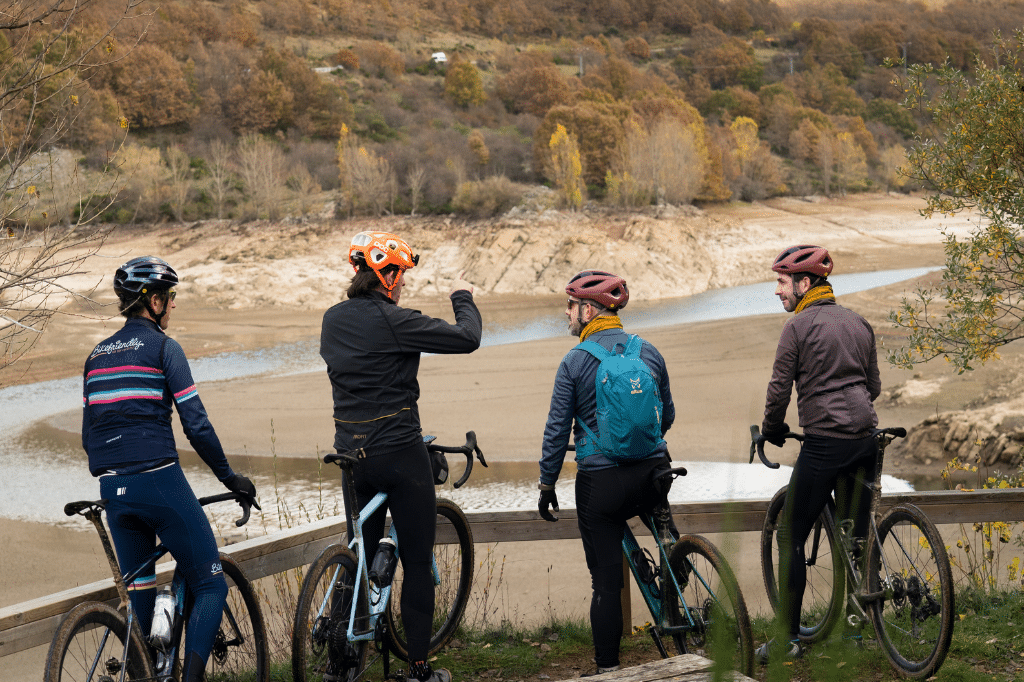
(634,346)
(594,348)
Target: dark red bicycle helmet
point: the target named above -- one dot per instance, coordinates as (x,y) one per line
(804,258)
(607,290)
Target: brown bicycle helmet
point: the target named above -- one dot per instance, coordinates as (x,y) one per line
(603,288)
(804,258)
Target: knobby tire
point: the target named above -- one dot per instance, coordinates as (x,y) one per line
(320,645)
(94,632)
(712,598)
(453,554)
(914,623)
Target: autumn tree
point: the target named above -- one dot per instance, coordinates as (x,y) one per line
(151,87)
(533,89)
(597,127)
(567,168)
(219,164)
(367,180)
(178,179)
(663,161)
(971,157)
(463,85)
(760,174)
(261,166)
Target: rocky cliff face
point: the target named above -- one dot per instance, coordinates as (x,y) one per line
(664,253)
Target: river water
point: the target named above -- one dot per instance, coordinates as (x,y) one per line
(45,467)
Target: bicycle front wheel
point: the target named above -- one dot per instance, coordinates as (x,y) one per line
(89,644)
(823,602)
(914,618)
(453,557)
(240,649)
(320,646)
(709,606)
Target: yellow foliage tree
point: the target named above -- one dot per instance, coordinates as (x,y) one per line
(567,168)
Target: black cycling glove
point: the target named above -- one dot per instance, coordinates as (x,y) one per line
(776,435)
(548,498)
(243,486)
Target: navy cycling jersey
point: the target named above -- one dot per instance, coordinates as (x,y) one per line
(130,382)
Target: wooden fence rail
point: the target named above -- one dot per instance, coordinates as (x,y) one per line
(32,623)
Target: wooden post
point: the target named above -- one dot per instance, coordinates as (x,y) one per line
(627,606)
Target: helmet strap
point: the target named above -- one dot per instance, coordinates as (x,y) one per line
(390,288)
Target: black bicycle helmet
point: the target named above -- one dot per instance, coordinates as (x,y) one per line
(142,275)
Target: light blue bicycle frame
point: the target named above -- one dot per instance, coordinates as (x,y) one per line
(376,598)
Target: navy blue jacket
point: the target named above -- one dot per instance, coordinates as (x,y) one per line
(575,395)
(130,382)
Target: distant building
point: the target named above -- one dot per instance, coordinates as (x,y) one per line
(438,58)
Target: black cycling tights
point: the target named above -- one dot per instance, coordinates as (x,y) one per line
(824,465)
(605,500)
(405,475)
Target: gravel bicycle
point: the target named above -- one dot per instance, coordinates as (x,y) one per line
(898,577)
(96,642)
(691,592)
(692,595)
(341,611)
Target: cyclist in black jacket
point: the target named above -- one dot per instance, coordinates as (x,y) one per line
(372,349)
(131,380)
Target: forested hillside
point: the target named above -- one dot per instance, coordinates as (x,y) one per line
(238,108)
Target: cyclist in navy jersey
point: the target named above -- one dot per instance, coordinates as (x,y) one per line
(131,381)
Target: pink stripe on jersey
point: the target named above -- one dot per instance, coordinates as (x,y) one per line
(190,389)
(125,368)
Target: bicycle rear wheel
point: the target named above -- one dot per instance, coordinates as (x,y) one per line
(453,555)
(711,606)
(914,621)
(320,646)
(240,650)
(823,603)
(89,645)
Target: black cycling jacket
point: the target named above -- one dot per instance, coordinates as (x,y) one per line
(372,349)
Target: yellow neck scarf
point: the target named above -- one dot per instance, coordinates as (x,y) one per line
(599,324)
(822,292)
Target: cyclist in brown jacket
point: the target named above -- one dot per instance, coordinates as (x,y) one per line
(829,352)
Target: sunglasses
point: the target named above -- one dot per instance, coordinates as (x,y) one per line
(172,294)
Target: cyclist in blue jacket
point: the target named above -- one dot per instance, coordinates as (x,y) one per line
(131,381)
(608,493)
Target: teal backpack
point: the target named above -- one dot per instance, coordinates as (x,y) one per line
(629,405)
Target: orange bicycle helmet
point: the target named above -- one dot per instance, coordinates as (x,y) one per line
(804,258)
(603,288)
(378,250)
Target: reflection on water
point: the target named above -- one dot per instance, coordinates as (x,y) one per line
(45,467)
(296,490)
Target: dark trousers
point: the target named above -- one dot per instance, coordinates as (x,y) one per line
(405,475)
(605,500)
(824,465)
